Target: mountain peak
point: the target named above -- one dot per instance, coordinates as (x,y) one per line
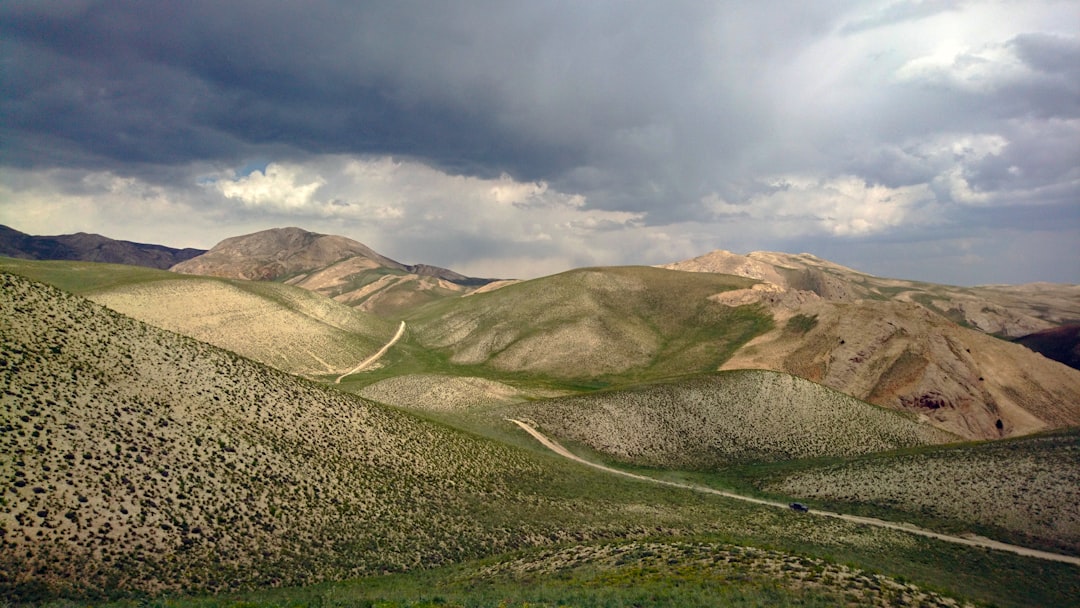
(278,252)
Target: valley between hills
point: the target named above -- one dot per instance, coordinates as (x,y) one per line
(293,419)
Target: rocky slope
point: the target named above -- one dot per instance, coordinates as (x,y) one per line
(335,266)
(1003,310)
(895,343)
(90,248)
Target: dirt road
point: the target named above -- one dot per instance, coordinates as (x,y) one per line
(971,541)
(375,357)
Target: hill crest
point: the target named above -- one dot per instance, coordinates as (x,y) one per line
(86,247)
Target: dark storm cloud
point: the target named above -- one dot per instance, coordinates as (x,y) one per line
(676,113)
(534,89)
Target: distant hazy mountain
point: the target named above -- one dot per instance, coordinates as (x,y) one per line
(90,248)
(338,267)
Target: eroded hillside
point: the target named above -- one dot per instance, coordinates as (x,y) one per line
(902,356)
(1003,310)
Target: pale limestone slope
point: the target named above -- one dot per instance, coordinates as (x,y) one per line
(285,327)
(1013,311)
(905,357)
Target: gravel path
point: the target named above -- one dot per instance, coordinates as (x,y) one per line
(969,540)
(375,357)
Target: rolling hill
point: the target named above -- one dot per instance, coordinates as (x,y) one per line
(90,248)
(288,328)
(596,326)
(717,420)
(335,266)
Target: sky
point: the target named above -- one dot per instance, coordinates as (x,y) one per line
(930,140)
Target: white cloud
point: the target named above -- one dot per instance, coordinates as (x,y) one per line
(979,70)
(841,206)
(279,187)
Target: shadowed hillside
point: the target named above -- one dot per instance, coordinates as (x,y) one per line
(90,248)
(595,325)
(1061,344)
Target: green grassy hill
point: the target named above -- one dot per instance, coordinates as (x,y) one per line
(597,326)
(286,327)
(138,460)
(716,420)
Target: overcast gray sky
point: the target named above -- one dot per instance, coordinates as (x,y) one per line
(930,140)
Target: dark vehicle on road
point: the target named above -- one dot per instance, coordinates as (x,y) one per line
(798,506)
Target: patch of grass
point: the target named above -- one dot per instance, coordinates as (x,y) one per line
(801,323)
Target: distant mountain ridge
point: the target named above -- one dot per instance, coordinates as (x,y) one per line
(1008,311)
(85,247)
(335,266)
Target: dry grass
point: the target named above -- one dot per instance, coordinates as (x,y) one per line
(433,392)
(285,327)
(1029,487)
(711,421)
(139,459)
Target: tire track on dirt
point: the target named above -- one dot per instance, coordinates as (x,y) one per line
(376,356)
(970,541)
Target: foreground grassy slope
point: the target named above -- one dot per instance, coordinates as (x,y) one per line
(599,325)
(291,329)
(1026,490)
(716,420)
(638,573)
(137,459)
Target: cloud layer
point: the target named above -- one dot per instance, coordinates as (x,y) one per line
(932,140)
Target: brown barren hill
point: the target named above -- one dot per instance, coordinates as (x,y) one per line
(335,266)
(910,346)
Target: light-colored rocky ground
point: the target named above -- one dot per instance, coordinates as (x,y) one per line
(1006,310)
(440,393)
(903,356)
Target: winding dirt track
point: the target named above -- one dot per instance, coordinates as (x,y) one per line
(375,357)
(971,541)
